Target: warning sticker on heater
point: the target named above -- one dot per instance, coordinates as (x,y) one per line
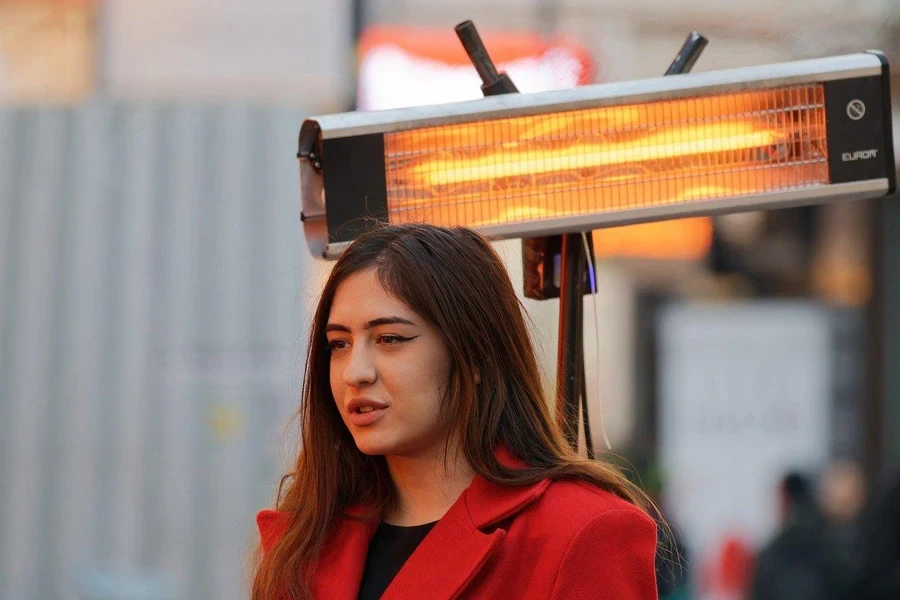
(856,109)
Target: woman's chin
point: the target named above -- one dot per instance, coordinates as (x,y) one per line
(374,447)
(379,446)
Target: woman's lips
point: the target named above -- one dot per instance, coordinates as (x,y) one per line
(363,419)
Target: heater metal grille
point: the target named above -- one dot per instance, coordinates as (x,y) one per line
(608,159)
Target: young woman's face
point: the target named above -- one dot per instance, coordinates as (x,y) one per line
(389,370)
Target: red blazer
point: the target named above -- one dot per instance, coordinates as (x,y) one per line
(560,540)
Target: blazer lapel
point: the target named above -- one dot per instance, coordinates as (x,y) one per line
(453,553)
(343,558)
(447,559)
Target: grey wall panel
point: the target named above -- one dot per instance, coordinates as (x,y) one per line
(33,339)
(74,530)
(177,410)
(7,130)
(154,298)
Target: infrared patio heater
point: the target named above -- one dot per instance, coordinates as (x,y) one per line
(564,162)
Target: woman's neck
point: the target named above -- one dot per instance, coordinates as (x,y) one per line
(427,485)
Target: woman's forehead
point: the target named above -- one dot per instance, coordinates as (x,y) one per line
(361,298)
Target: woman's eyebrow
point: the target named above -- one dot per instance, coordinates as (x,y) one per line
(388,321)
(373,323)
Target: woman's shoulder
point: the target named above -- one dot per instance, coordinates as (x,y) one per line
(600,541)
(271,524)
(577,504)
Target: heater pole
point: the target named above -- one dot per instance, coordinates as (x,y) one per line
(570,371)
(570,356)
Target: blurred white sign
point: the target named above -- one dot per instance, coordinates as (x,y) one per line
(745,396)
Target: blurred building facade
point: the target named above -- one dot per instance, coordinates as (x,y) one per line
(153,306)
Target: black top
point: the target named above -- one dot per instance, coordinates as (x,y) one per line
(389,549)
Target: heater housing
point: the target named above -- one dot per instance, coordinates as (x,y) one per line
(524,165)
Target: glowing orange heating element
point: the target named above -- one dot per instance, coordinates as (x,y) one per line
(608,159)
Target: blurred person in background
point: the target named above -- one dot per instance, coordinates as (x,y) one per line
(842,494)
(672,565)
(672,560)
(799,563)
(728,574)
(878,577)
(430,466)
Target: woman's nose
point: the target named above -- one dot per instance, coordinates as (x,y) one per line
(360,370)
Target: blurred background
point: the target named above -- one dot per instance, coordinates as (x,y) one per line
(155,290)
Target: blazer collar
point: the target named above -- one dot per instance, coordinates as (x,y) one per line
(489,504)
(452,554)
(448,558)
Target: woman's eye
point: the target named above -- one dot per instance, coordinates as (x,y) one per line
(391,340)
(337,344)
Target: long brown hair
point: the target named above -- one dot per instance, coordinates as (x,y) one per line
(455,280)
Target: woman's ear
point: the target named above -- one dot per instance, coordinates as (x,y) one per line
(477,376)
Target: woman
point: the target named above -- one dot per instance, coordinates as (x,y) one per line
(430,467)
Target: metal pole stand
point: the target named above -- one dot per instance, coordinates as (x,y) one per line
(571,405)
